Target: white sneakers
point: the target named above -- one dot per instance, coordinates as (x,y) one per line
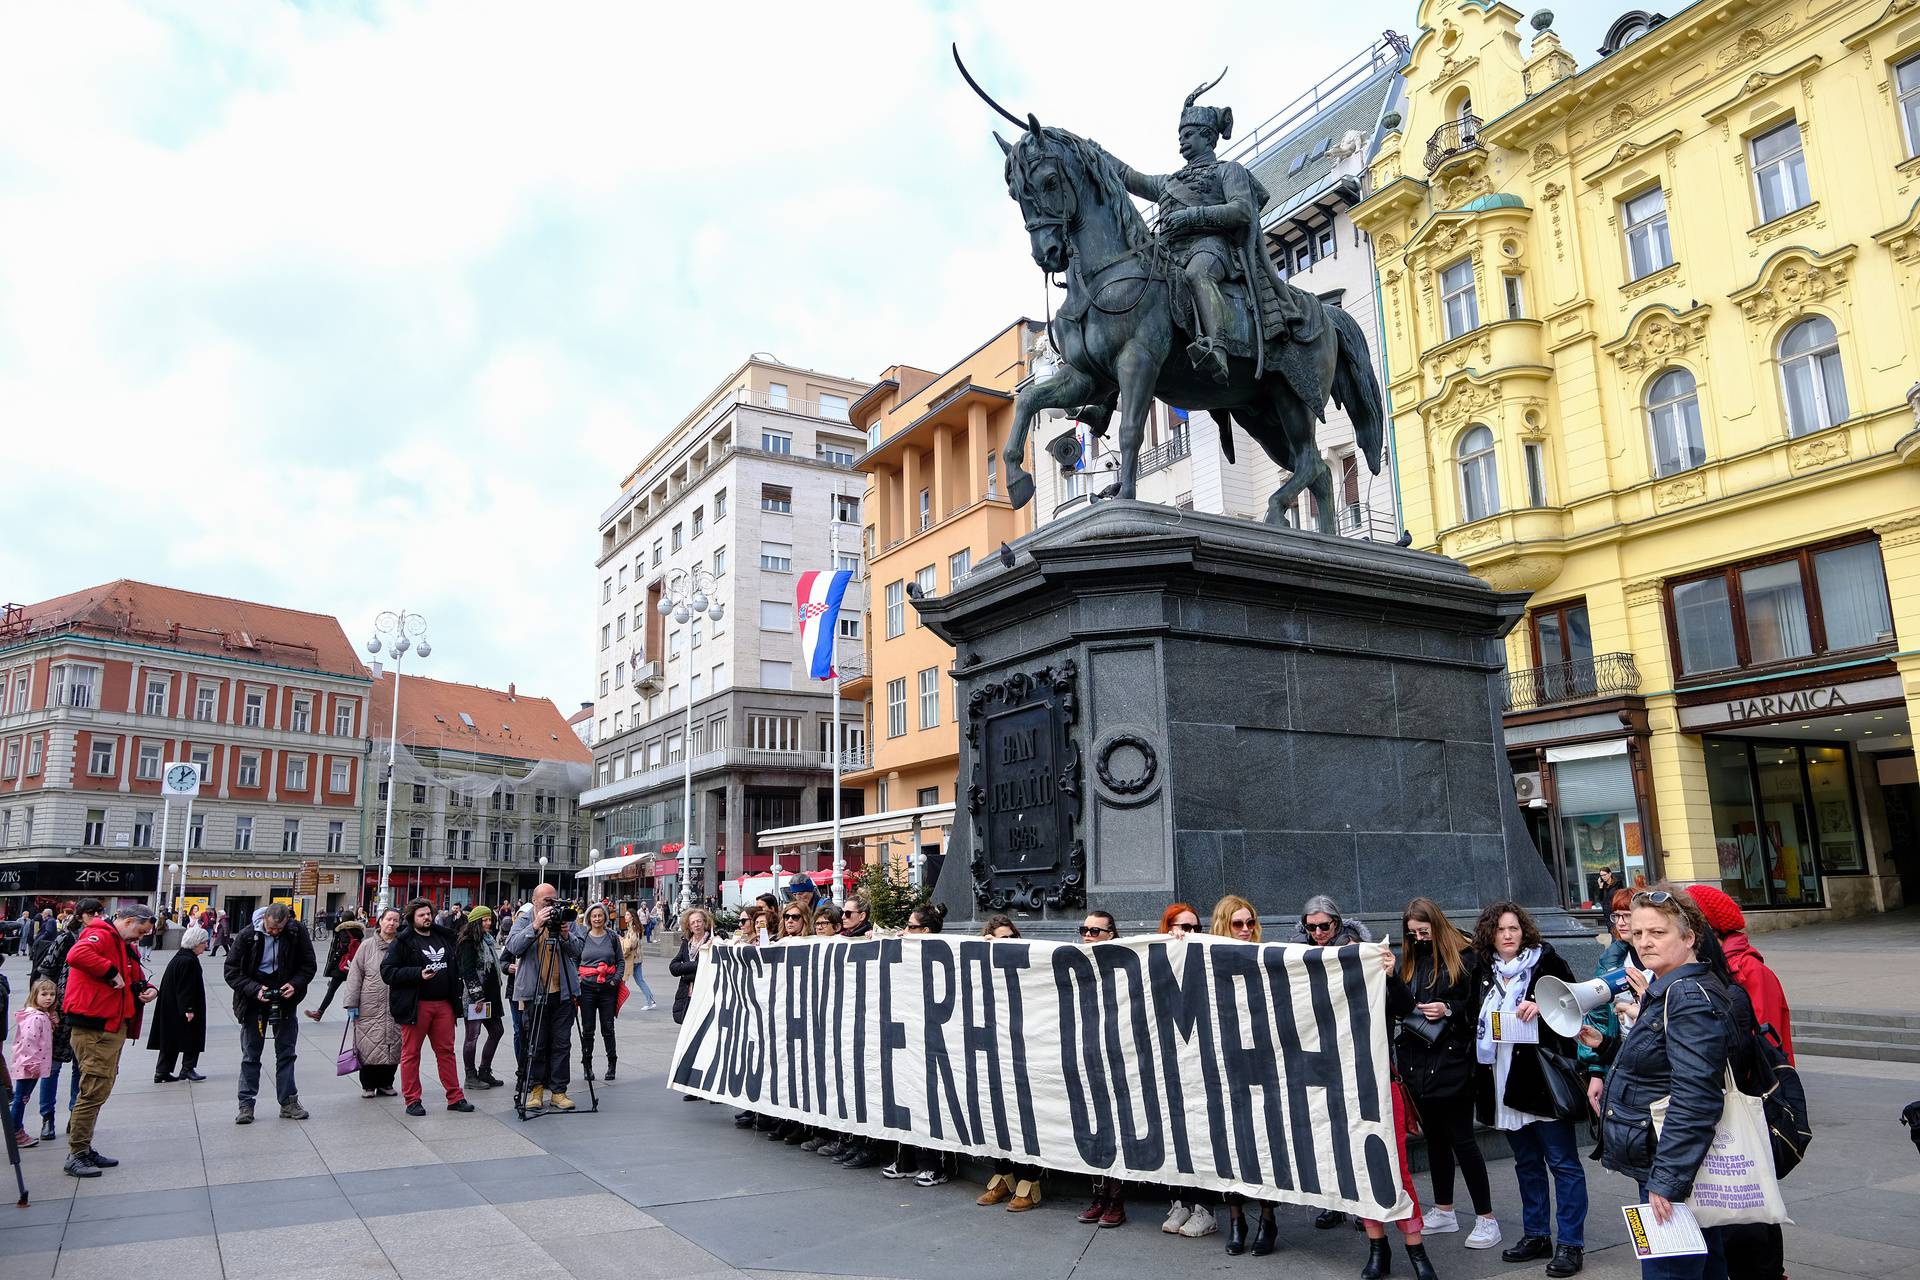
(1486,1233)
(1177,1215)
(1199,1223)
(1439,1221)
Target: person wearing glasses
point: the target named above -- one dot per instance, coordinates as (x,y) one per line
(856,921)
(1186,1215)
(1016,1184)
(796,921)
(826,921)
(1235,919)
(1437,981)
(1606,1019)
(1109,1207)
(1512,1092)
(1678,1049)
(926,1167)
(1321,925)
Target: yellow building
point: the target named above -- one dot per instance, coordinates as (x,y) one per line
(934,507)
(1650,335)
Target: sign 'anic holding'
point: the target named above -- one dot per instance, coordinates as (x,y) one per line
(1256,1068)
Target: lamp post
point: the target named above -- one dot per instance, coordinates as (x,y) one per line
(689,594)
(402,631)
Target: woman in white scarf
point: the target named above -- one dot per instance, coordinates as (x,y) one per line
(1511,1087)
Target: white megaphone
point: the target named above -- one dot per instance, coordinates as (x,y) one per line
(1564,1006)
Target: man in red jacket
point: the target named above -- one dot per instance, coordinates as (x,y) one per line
(105,989)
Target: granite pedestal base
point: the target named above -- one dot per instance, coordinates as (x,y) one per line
(1237,708)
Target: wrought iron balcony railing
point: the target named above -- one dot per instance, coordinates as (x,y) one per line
(1451,138)
(1604,675)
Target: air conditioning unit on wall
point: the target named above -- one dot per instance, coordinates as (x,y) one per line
(1527,790)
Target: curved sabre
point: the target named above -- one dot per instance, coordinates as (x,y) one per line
(984,95)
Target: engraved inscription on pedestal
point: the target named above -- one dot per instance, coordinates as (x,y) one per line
(1026,791)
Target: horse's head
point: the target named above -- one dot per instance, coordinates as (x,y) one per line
(1043,180)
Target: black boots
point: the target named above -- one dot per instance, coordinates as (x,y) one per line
(610,1066)
(1264,1233)
(1237,1234)
(1527,1248)
(1422,1266)
(1568,1259)
(1379,1260)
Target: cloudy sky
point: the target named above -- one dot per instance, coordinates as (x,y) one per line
(353,306)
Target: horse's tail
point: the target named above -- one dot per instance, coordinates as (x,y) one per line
(1355,389)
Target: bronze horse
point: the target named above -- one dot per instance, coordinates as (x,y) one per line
(1117,331)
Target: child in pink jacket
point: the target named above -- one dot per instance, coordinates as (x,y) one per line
(32,1051)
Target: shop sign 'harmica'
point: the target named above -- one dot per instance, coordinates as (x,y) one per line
(1025,790)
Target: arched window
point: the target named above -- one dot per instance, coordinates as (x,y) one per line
(1810,373)
(1479,475)
(1673,415)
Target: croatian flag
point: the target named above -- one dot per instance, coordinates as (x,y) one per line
(818,596)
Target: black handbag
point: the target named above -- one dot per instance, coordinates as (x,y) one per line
(1429,1030)
(1564,1083)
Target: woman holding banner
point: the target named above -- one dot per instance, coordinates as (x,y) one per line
(1235,919)
(1677,1050)
(1437,979)
(1514,1052)
(1017,1184)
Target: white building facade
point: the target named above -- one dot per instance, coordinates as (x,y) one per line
(752,489)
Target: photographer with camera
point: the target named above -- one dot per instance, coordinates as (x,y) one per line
(269,968)
(546,983)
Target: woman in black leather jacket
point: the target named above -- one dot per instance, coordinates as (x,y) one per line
(1678,1049)
(696,928)
(1438,984)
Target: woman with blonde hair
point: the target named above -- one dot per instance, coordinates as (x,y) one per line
(1235,919)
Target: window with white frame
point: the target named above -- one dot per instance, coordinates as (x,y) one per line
(846,560)
(775,674)
(676,748)
(249,773)
(849,626)
(197,832)
(719,677)
(206,702)
(1535,454)
(1458,305)
(606,636)
(1906,80)
(926,508)
(837,454)
(959,565)
(929,583)
(776,395)
(1673,416)
(336,836)
(343,719)
(673,697)
(620,576)
(896,610)
(1780,171)
(1515,297)
(301,719)
(993,473)
(203,757)
(897,708)
(36,752)
(10,767)
(606,683)
(777,498)
(1479,475)
(776,615)
(143,828)
(773,733)
(846,508)
(833,406)
(290,835)
(720,562)
(95,831)
(693,634)
(676,641)
(1816,391)
(339,775)
(776,441)
(154,703)
(694,687)
(930,698)
(296,773)
(100,756)
(620,673)
(20,687)
(678,537)
(1649,246)
(719,504)
(659,551)
(147,765)
(243,832)
(75,685)
(776,557)
(606,590)
(254,709)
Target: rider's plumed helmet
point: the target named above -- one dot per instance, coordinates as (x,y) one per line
(1217,120)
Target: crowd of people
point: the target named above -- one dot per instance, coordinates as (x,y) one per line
(1695,991)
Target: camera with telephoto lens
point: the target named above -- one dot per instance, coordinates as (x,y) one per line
(563,917)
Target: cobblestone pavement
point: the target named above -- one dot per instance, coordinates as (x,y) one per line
(654,1186)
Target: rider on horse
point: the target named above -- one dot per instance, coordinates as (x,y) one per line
(1210,220)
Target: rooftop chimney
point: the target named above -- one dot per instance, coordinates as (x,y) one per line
(510,691)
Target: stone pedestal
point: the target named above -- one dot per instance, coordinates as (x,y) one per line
(1159,706)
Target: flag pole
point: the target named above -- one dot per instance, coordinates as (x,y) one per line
(839,856)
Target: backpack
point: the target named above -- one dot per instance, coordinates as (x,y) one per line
(1789,1123)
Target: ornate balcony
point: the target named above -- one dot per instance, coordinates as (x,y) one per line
(1451,139)
(1604,675)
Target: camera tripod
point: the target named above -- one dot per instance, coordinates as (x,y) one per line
(534,1029)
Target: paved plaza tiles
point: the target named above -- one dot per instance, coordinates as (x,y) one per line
(654,1186)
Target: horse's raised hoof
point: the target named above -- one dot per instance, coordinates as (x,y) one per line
(1020,489)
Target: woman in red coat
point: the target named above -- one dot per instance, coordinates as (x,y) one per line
(1749,968)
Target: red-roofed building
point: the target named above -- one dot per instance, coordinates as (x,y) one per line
(101,690)
(487,782)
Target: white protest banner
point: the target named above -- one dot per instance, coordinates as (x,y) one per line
(1227,1066)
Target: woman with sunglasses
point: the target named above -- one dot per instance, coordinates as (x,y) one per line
(796,921)
(1513,1094)
(1321,925)
(1606,1019)
(1109,1207)
(1235,919)
(1017,1184)
(1439,977)
(927,1168)
(1188,1215)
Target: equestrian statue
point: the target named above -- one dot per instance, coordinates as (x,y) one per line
(1190,310)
